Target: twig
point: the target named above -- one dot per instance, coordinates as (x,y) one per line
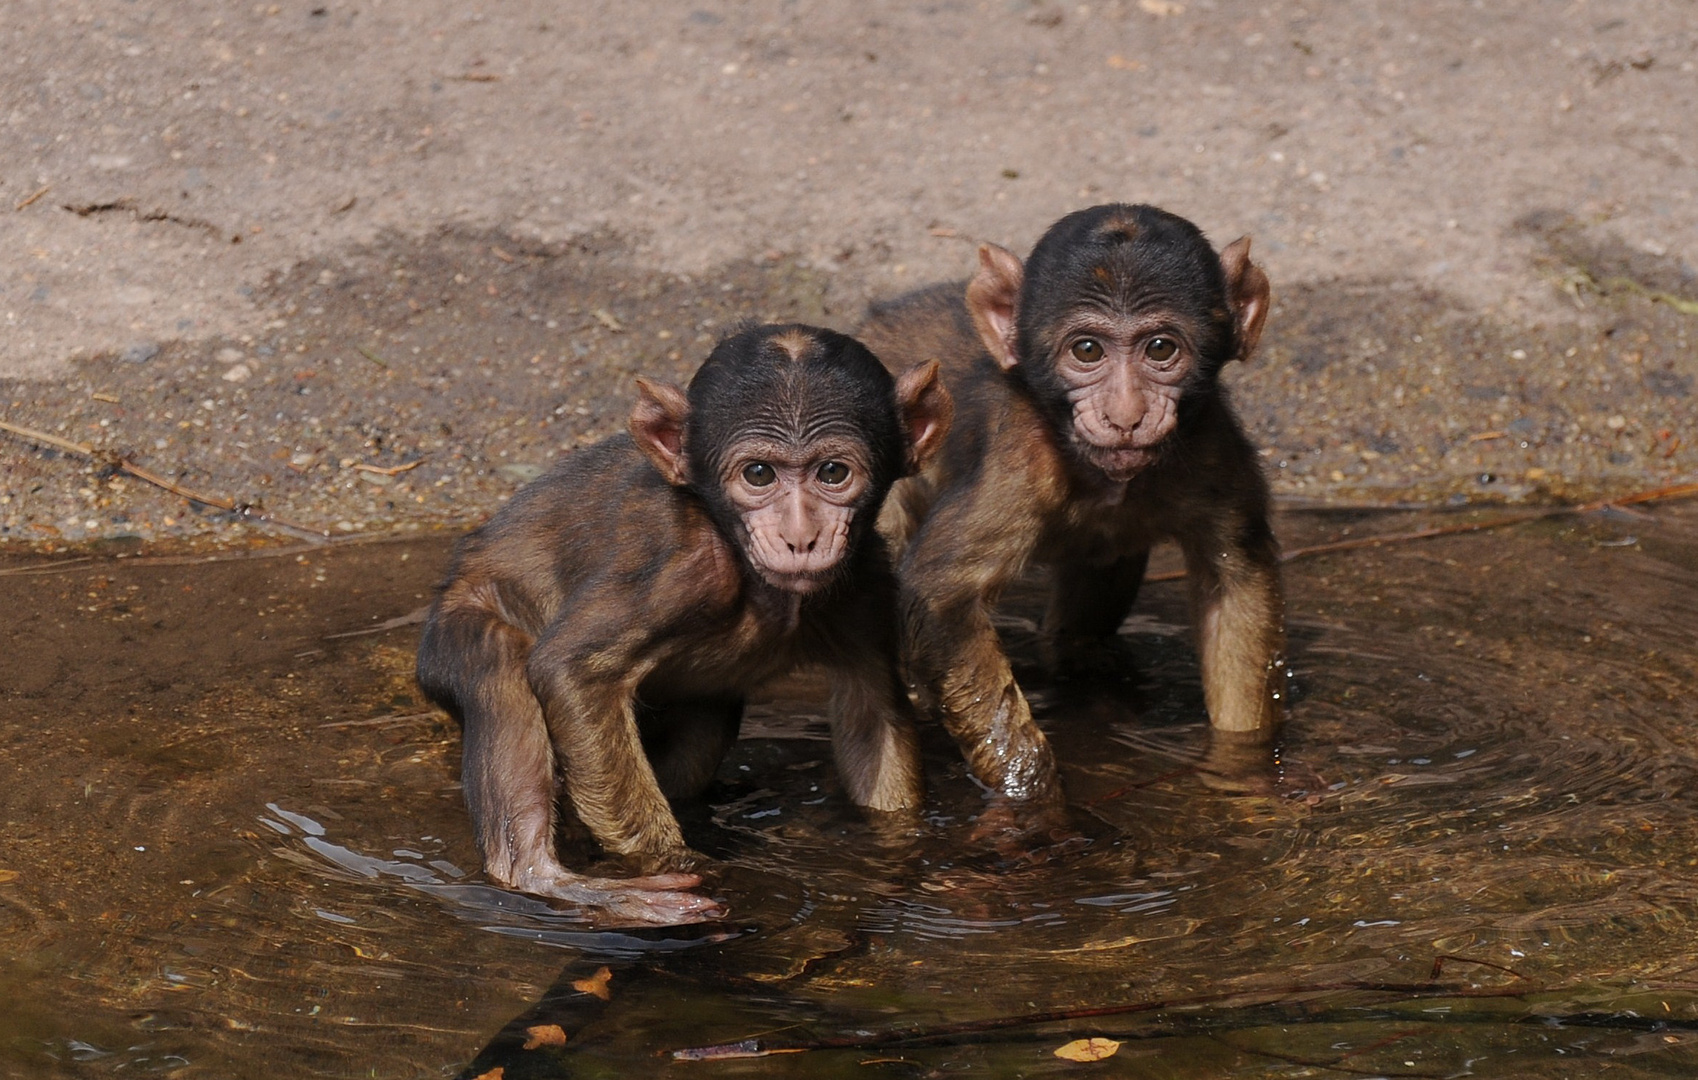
(45,439)
(943,1033)
(390,718)
(50,568)
(1675,491)
(373,357)
(29,200)
(389,470)
(411,618)
(123,464)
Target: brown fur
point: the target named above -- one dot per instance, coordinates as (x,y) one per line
(598,637)
(1005,493)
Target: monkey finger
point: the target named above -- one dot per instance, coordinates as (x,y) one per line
(663,882)
(1018,827)
(636,906)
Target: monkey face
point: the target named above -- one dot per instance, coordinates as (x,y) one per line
(1123,379)
(1121,313)
(794,507)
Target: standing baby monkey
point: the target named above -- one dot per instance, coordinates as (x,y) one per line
(600,632)
(1092,424)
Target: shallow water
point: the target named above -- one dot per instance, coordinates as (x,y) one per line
(234,845)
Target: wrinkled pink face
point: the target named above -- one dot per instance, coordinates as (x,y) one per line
(1123,377)
(796,506)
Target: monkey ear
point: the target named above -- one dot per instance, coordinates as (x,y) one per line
(927,411)
(993,299)
(1247,290)
(657,424)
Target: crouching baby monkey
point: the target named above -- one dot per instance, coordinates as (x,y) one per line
(1091,424)
(599,634)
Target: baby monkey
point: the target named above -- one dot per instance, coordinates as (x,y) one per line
(1093,425)
(600,634)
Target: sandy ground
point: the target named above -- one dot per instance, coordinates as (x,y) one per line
(255,246)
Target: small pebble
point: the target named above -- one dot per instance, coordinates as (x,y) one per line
(139,352)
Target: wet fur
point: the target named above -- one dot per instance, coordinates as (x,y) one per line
(1008,491)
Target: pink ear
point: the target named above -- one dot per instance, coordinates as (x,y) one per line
(657,424)
(1248,291)
(927,411)
(993,299)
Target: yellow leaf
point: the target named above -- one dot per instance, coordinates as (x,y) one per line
(596,984)
(1088,1050)
(544,1035)
(8,875)
(494,1074)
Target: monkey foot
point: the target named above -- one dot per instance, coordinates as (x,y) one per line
(657,900)
(1239,763)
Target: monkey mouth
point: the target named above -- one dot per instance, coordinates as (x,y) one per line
(800,582)
(1119,463)
(796,567)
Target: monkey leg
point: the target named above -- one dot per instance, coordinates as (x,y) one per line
(1238,608)
(476,663)
(507,764)
(685,741)
(873,737)
(1091,600)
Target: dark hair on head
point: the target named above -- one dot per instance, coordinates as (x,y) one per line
(1127,257)
(792,382)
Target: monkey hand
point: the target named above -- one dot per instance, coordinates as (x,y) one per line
(1019,828)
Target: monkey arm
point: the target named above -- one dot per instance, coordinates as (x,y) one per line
(978,539)
(584,672)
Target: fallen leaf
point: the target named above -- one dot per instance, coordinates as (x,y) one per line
(494,1074)
(596,984)
(1088,1049)
(608,319)
(8,875)
(544,1035)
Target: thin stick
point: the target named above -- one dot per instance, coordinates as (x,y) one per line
(373,357)
(749,1048)
(30,199)
(48,440)
(390,718)
(1675,491)
(388,470)
(125,465)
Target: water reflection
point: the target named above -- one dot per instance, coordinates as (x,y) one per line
(498,911)
(234,841)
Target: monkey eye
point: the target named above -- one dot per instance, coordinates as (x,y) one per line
(833,473)
(1161,349)
(759,474)
(1087,350)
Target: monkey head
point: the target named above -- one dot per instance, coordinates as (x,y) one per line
(1121,317)
(792,436)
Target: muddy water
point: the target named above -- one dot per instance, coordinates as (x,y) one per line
(234,844)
